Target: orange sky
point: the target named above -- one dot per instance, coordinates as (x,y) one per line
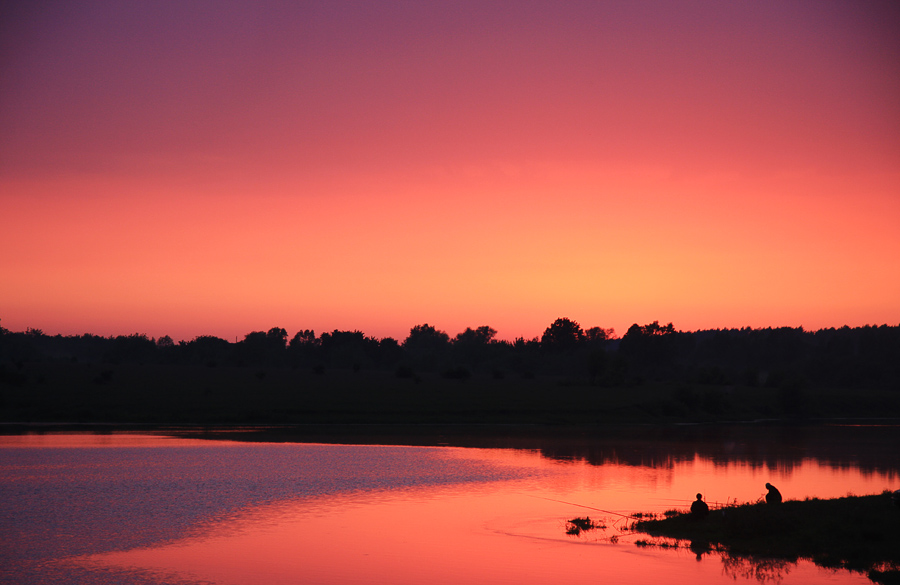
(208,168)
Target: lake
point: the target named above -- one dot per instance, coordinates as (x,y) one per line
(277,506)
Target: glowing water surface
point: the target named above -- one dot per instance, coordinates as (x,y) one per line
(129,508)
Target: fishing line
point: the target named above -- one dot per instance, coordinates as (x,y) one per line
(583,506)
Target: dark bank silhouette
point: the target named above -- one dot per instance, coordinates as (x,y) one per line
(853,532)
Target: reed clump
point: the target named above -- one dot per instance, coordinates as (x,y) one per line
(860,533)
(576,526)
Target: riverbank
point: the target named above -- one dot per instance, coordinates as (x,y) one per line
(179,394)
(860,533)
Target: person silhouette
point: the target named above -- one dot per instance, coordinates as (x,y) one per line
(774,496)
(699,509)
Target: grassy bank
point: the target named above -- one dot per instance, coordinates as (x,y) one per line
(860,533)
(75,392)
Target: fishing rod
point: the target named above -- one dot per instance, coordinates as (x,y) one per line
(583,506)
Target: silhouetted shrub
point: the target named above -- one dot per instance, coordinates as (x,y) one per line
(714,401)
(792,396)
(404,372)
(11,377)
(459,373)
(687,396)
(104,377)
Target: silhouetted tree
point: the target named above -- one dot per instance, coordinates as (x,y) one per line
(255,339)
(304,337)
(597,335)
(526,356)
(656,329)
(389,352)
(473,346)
(276,338)
(597,365)
(649,348)
(426,337)
(481,336)
(426,346)
(647,331)
(562,334)
(19,347)
(304,348)
(260,347)
(207,350)
(348,349)
(131,348)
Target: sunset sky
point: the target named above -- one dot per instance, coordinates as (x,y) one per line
(210,167)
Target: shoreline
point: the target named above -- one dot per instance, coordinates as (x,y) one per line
(858,533)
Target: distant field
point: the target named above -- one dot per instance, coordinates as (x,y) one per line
(72,392)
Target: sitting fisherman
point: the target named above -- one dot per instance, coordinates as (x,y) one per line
(774,496)
(699,509)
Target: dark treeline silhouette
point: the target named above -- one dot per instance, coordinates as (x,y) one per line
(791,359)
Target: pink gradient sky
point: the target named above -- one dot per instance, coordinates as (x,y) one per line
(201,167)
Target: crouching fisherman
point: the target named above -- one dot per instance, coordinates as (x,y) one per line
(773,496)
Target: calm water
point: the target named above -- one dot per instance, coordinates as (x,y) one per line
(141,508)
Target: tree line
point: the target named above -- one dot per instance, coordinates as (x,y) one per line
(783,357)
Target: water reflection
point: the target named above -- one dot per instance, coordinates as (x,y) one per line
(758,569)
(750,568)
(869,449)
(151,509)
(866,447)
(68,495)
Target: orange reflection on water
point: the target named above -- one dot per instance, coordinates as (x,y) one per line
(510,531)
(90,439)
